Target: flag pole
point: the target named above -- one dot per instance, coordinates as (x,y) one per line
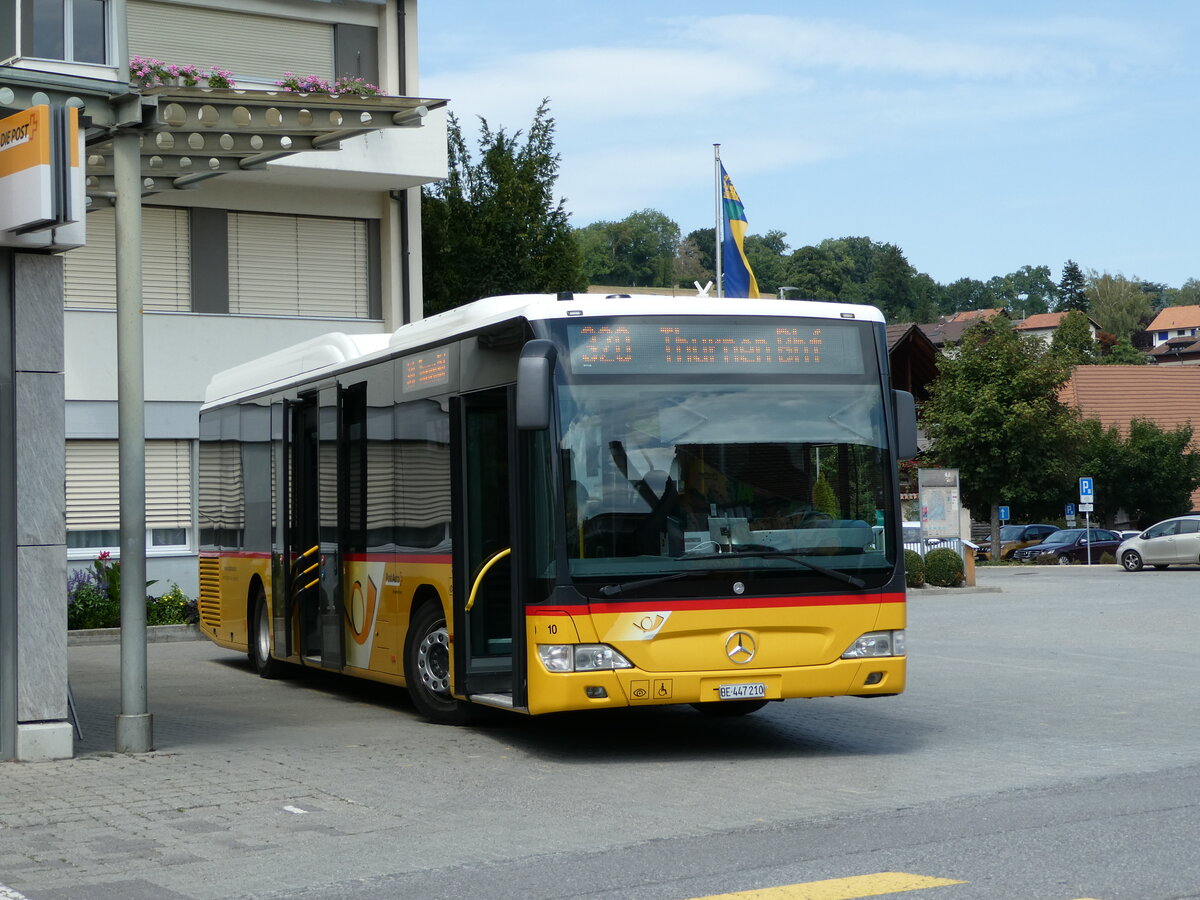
(717,229)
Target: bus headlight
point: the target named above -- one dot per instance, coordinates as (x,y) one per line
(876,643)
(581,658)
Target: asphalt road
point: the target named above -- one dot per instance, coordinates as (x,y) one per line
(1046,748)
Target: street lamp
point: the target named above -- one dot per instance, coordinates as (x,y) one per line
(786,287)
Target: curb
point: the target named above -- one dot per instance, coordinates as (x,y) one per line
(155,634)
(930,589)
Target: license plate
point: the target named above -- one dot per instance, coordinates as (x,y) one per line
(742,691)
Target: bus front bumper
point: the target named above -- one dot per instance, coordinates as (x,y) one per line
(562,691)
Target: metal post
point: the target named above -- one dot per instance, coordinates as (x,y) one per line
(1087,534)
(134,723)
(720,218)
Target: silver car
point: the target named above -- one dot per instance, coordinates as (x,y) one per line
(1170,542)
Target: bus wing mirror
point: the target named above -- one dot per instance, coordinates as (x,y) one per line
(535,377)
(906,424)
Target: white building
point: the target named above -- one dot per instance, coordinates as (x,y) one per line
(282,246)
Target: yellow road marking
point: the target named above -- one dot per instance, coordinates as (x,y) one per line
(841,888)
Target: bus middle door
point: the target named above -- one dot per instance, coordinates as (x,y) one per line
(315,582)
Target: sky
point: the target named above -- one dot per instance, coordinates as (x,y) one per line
(977,137)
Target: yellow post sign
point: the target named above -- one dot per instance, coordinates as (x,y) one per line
(42,202)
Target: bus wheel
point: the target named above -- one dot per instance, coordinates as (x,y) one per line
(427,668)
(260,640)
(730,707)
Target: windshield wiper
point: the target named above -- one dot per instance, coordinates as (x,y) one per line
(611,590)
(852,580)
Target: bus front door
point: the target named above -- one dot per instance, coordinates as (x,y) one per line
(314,578)
(488,619)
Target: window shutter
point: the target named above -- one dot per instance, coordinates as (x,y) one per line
(93,486)
(298,266)
(253,47)
(90,272)
(262,264)
(166,259)
(168,484)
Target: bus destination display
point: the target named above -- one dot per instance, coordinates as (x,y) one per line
(768,346)
(428,370)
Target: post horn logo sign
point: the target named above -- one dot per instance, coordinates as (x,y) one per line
(741,647)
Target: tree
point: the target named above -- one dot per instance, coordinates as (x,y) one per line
(640,250)
(926,296)
(857,270)
(815,273)
(994,414)
(706,240)
(1123,353)
(493,226)
(1072,289)
(1025,292)
(1186,295)
(1150,473)
(689,264)
(966,294)
(890,283)
(1118,304)
(766,255)
(1073,344)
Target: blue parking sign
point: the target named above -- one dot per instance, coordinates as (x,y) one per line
(1004,514)
(1085,490)
(1070,510)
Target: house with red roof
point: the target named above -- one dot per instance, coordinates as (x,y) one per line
(1043,325)
(1175,322)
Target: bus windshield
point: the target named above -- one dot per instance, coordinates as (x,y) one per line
(774,473)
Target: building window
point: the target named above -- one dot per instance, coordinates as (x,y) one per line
(90,272)
(93,503)
(299,266)
(217,262)
(68,30)
(1163,335)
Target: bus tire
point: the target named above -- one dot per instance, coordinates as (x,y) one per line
(730,707)
(260,639)
(427,668)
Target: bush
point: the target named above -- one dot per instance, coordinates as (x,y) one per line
(1107,559)
(88,606)
(1045,559)
(914,568)
(172,608)
(94,601)
(943,567)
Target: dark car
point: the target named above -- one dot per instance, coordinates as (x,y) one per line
(1070,545)
(1014,537)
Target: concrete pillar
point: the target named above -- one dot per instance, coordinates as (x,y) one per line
(38,432)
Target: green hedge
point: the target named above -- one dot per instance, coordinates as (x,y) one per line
(943,567)
(914,568)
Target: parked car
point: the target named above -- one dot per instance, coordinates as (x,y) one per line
(1014,537)
(1070,545)
(1170,542)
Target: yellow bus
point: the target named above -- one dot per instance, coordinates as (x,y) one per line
(545,503)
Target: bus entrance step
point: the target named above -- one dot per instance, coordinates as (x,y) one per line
(500,701)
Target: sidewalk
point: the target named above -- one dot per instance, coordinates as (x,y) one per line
(246,794)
